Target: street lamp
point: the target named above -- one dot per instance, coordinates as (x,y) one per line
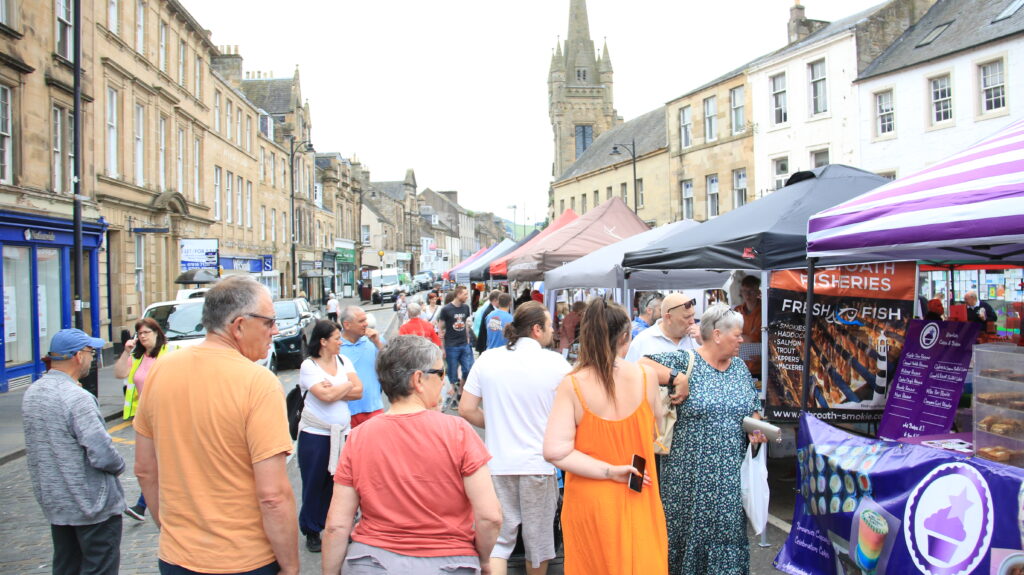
(515,209)
(303,146)
(631,148)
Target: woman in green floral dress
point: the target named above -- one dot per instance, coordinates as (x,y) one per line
(700,486)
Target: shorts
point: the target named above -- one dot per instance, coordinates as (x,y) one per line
(363,559)
(530,501)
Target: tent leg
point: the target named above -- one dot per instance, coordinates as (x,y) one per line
(808,320)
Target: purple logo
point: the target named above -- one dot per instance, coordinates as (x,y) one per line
(929,335)
(949,520)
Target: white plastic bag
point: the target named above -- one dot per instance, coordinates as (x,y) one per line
(754,488)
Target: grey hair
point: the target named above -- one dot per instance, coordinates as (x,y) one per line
(652,300)
(413,309)
(348,314)
(230,298)
(404,356)
(721,317)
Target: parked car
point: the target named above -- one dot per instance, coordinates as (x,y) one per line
(182,322)
(386,285)
(423,281)
(295,320)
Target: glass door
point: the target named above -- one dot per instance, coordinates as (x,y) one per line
(17,305)
(48,292)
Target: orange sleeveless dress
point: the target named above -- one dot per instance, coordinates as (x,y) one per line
(608,528)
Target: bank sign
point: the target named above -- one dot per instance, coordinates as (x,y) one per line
(198,253)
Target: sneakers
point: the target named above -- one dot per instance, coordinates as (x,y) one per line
(313,542)
(136,512)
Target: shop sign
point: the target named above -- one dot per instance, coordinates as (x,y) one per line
(39,235)
(318,265)
(860,317)
(198,253)
(403,256)
(268,263)
(305,265)
(873,506)
(251,265)
(345,255)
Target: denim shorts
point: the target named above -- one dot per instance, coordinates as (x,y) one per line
(365,559)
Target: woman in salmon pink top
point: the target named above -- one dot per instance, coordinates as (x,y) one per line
(419,476)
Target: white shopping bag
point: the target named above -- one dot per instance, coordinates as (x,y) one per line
(754,488)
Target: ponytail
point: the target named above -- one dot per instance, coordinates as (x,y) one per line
(601,329)
(527,315)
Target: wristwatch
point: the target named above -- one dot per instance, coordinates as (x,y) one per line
(672,378)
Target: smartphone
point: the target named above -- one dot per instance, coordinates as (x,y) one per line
(636,482)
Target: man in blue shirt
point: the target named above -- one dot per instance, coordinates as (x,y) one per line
(497,320)
(360,343)
(650,310)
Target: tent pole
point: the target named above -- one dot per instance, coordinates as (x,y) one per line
(952,289)
(808,320)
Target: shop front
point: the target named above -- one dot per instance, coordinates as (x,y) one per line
(329,265)
(261,267)
(311,280)
(345,267)
(37,289)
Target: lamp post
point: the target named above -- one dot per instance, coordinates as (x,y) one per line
(303,146)
(631,148)
(515,210)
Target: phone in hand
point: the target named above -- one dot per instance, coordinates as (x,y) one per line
(636,482)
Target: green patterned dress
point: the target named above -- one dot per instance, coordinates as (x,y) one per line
(700,478)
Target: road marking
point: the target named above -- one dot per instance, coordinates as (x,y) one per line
(779,524)
(119,427)
(123,440)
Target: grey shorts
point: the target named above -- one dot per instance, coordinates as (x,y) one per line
(530,501)
(363,559)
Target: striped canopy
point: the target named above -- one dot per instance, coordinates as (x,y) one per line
(968,207)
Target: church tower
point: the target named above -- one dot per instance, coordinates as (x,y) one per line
(580,101)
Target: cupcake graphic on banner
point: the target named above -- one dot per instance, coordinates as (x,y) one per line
(945,528)
(872,530)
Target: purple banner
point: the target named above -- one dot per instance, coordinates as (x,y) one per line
(929,380)
(867,506)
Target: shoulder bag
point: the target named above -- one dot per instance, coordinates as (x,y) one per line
(667,426)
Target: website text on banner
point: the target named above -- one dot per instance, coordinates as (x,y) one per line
(872,506)
(860,317)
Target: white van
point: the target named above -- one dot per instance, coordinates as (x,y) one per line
(386,285)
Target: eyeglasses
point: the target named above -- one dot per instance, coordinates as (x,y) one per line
(88,350)
(267,321)
(684,305)
(438,372)
(144,332)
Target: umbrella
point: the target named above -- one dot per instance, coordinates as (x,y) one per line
(197,276)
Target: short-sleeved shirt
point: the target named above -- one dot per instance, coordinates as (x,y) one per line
(334,412)
(638,325)
(751,323)
(363,354)
(422,328)
(653,340)
(212,414)
(496,322)
(455,318)
(408,470)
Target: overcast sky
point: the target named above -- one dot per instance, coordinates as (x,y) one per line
(457,89)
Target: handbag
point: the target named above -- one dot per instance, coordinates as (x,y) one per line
(294,403)
(754,488)
(667,425)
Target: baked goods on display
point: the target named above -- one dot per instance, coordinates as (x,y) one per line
(999,403)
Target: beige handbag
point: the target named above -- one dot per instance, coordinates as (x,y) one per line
(667,426)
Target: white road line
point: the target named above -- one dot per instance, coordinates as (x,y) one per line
(779,524)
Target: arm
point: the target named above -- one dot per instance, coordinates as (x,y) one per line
(682,383)
(146,472)
(277,506)
(486,513)
(469,409)
(88,428)
(123,365)
(338,528)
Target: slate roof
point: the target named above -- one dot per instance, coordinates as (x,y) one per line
(376,211)
(274,95)
(648,129)
(970,25)
(394,190)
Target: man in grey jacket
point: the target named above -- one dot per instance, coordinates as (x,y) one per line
(73,462)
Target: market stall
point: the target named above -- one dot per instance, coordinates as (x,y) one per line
(448,275)
(463,274)
(499,267)
(482,272)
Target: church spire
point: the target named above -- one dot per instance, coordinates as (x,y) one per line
(580,59)
(606,59)
(579,24)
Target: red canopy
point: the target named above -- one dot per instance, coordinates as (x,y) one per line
(499,267)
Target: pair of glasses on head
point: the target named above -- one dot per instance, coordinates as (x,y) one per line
(268,321)
(438,372)
(684,305)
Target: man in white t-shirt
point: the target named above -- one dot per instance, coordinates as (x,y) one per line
(332,308)
(677,329)
(517,384)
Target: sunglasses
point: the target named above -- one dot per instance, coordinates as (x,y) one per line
(684,305)
(438,372)
(267,321)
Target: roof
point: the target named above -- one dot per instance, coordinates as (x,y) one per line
(967,29)
(376,211)
(832,29)
(648,130)
(394,190)
(273,95)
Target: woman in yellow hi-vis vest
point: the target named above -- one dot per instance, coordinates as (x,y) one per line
(139,355)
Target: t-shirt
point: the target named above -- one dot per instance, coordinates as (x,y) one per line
(408,470)
(454,318)
(751,323)
(653,340)
(496,322)
(517,387)
(335,412)
(638,325)
(139,377)
(332,305)
(363,354)
(212,414)
(422,328)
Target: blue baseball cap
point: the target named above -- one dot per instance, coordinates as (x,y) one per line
(67,342)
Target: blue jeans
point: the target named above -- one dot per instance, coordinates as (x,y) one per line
(168,569)
(456,356)
(317,483)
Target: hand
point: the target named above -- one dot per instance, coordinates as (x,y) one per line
(757,436)
(694,332)
(373,335)
(621,473)
(681,391)
(130,344)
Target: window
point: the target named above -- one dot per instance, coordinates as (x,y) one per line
(561,206)
(780,171)
(942,99)
(581,74)
(608,194)
(819,88)
(113,18)
(180,182)
(584,137)
(885,114)
(583,203)
(198,72)
(5,12)
(263,223)
(162,154)
(112,132)
(572,203)
(819,158)
(238,200)
(622,192)
(5,135)
(139,149)
(936,31)
(162,48)
(597,199)
(739,187)
(238,126)
(140,27)
(273,224)
(263,163)
(1010,10)
(182,53)
(737,109)
(640,192)
(248,133)
(228,195)
(228,114)
(216,192)
(685,127)
(248,204)
(59,141)
(712,187)
(65,30)
(196,152)
(216,110)
(993,87)
(778,88)
(710,119)
(273,170)
(686,189)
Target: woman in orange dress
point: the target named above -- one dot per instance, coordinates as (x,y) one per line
(603,415)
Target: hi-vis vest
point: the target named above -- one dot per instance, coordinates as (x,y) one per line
(131,394)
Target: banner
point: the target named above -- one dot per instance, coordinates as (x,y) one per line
(929,380)
(860,317)
(866,506)
(199,253)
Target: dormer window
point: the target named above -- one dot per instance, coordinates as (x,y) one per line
(933,34)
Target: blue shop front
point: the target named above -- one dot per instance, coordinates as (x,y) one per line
(37,289)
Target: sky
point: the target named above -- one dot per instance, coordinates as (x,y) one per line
(457,89)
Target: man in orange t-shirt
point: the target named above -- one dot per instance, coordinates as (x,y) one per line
(215,422)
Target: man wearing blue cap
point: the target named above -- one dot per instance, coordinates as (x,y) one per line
(72,460)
